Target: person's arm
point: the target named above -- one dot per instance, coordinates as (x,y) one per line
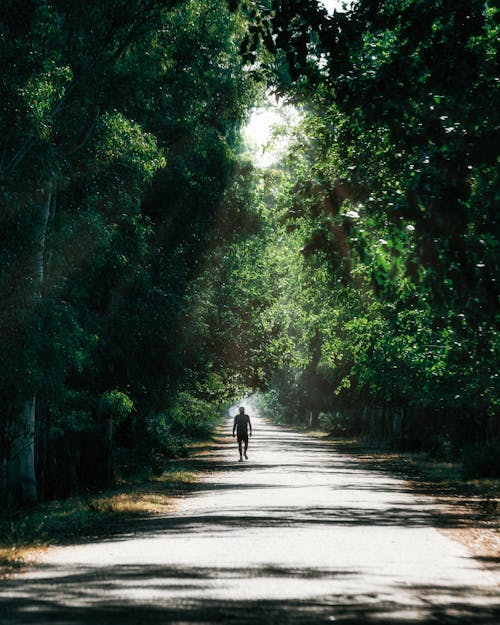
(234,425)
(250,425)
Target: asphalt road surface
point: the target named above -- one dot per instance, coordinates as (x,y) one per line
(296,534)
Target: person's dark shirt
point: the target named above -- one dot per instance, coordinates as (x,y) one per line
(241,423)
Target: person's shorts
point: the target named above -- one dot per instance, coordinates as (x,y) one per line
(242,438)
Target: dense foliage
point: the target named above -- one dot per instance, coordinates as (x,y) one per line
(393,185)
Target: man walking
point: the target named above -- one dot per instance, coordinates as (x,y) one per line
(240,426)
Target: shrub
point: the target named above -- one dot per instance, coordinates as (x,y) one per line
(338,423)
(192,416)
(482,461)
(117,404)
(270,405)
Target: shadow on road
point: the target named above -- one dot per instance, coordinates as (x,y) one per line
(89,596)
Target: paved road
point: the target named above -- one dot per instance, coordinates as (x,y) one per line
(297,534)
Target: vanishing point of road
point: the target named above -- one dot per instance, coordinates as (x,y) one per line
(297,534)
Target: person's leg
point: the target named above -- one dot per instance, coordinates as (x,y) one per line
(240,442)
(246,446)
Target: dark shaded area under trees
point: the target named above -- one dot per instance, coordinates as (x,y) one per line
(150,273)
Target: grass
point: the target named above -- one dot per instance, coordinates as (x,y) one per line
(91,515)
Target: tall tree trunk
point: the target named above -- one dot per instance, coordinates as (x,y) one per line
(41,239)
(21,463)
(108,446)
(21,476)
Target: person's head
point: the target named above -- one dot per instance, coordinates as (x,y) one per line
(242,410)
